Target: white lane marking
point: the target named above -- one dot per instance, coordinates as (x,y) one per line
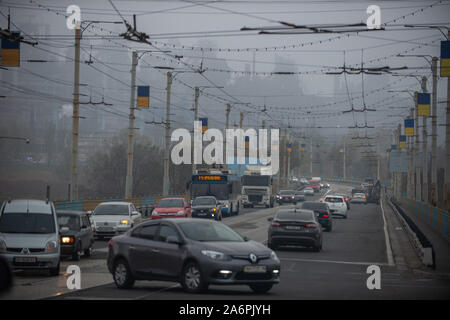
(390,256)
(334,261)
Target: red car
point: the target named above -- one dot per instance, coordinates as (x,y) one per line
(315,187)
(172,208)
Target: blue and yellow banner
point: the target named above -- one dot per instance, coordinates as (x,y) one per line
(409,127)
(11,50)
(402,142)
(393,148)
(423,104)
(204,124)
(289,147)
(303,147)
(445,58)
(143,99)
(247,142)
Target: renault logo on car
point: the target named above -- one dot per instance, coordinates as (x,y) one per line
(253,258)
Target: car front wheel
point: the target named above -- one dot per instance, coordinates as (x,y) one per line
(192,279)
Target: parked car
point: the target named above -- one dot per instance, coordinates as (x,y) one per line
(286,196)
(322,212)
(113,218)
(77,234)
(359,198)
(171,208)
(206,207)
(308,191)
(299,196)
(295,227)
(29,235)
(194,252)
(337,205)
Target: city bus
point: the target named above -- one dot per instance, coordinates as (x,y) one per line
(224,185)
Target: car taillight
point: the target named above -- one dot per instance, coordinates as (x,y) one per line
(110,243)
(310,225)
(364,197)
(325,216)
(276,224)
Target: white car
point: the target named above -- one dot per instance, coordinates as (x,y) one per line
(359,198)
(308,191)
(337,205)
(114,218)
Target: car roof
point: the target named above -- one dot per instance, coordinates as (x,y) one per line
(177,221)
(174,198)
(28,205)
(114,203)
(208,197)
(333,196)
(70,212)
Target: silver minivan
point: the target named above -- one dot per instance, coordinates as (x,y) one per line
(29,235)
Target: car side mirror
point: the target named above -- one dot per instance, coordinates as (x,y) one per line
(135,213)
(173,239)
(270,219)
(246,238)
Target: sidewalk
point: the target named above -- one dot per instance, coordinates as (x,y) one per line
(440,245)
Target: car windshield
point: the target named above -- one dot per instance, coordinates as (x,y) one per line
(359,195)
(112,210)
(204,201)
(13,222)
(294,216)
(69,221)
(286,192)
(170,203)
(334,200)
(314,206)
(209,231)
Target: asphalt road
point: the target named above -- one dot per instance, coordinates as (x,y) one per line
(339,271)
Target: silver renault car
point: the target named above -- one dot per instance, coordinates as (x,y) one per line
(29,235)
(114,218)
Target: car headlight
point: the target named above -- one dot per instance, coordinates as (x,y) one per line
(51,246)
(125,222)
(274,256)
(67,240)
(213,210)
(215,255)
(180,213)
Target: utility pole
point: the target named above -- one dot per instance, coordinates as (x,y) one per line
(311,156)
(424,149)
(241,119)
(446,193)
(76,116)
(129,177)
(194,166)
(411,159)
(345,160)
(166,182)
(284,157)
(399,151)
(288,154)
(418,190)
(227,122)
(434,174)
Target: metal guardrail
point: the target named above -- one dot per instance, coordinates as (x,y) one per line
(437,218)
(420,242)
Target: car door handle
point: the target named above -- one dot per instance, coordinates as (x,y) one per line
(155,250)
(131,247)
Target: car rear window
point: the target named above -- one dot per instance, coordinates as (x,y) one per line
(170,203)
(111,209)
(286,192)
(334,200)
(294,216)
(314,206)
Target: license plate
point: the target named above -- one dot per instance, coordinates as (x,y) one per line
(25,259)
(105,229)
(255,269)
(293,228)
